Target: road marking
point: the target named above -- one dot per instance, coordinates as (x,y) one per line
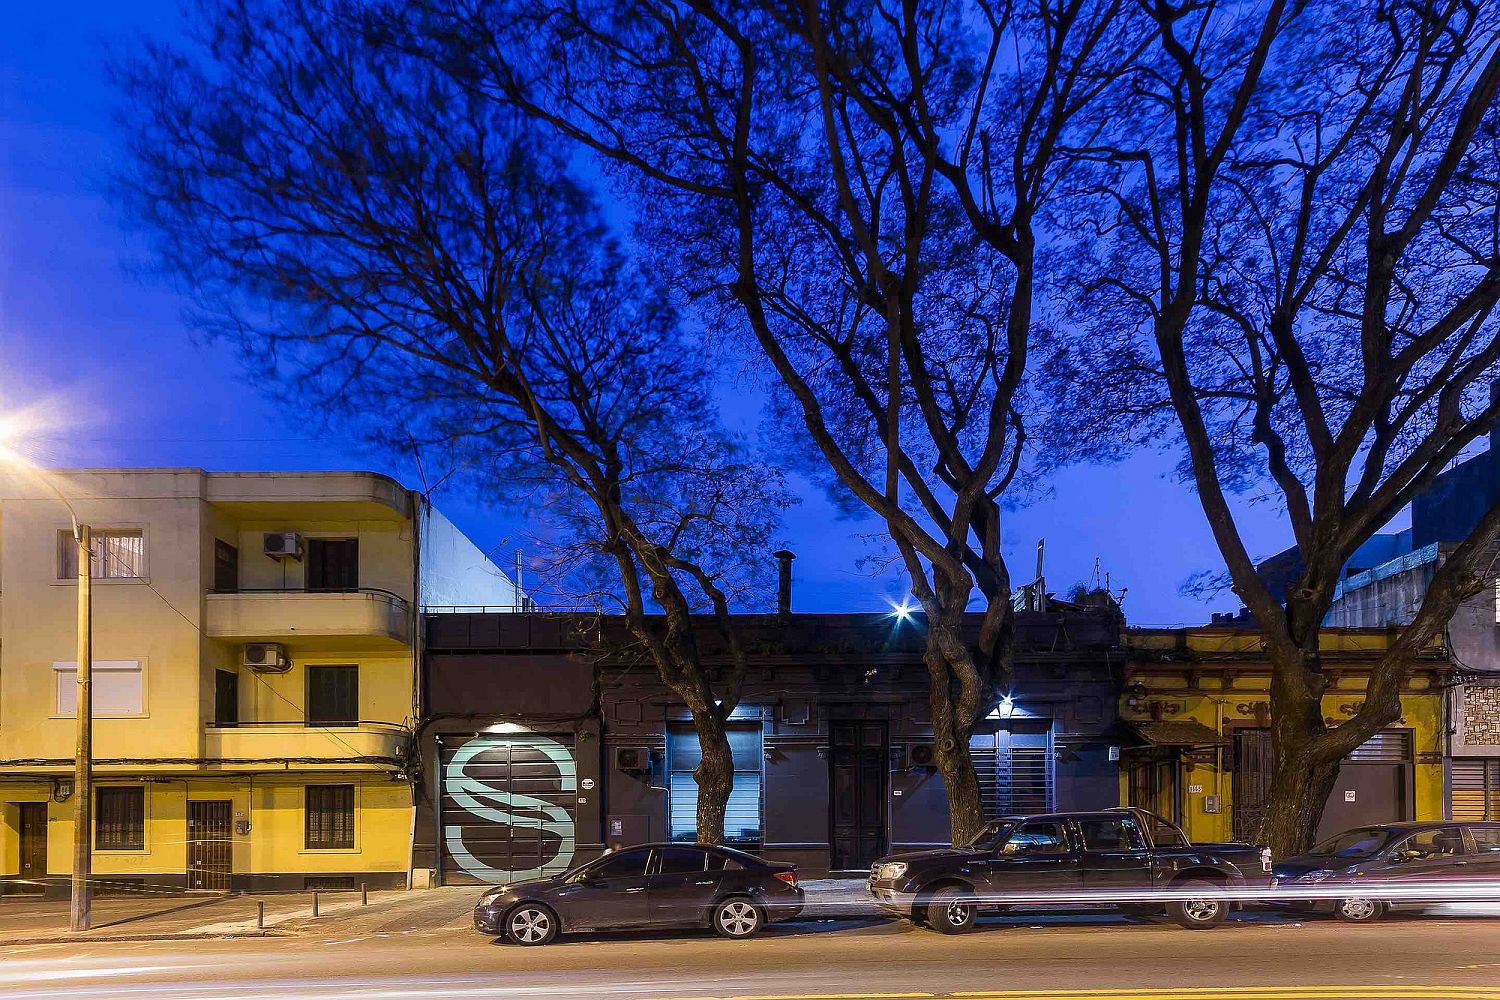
(1178,993)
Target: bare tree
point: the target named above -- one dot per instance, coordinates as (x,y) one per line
(1296,268)
(360,223)
(857,188)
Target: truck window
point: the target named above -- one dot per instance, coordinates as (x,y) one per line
(1163,832)
(1036,838)
(1112,834)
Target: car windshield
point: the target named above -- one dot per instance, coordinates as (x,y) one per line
(990,835)
(1362,842)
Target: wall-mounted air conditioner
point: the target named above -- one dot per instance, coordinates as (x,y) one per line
(267,658)
(282,544)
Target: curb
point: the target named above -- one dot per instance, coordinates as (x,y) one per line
(171,936)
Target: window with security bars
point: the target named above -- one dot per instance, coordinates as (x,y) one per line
(333,695)
(742,817)
(1014,766)
(120,819)
(1474,794)
(330,817)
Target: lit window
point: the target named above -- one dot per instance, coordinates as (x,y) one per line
(116,555)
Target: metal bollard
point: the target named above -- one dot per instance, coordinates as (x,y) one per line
(364,894)
(260,914)
(315,904)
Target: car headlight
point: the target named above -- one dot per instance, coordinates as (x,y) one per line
(893,870)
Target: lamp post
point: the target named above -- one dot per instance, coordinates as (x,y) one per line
(80,897)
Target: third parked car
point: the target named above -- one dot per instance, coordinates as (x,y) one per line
(1403,859)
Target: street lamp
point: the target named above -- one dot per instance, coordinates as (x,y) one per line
(83,786)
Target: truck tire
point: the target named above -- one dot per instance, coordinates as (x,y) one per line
(952,911)
(1359,909)
(1199,913)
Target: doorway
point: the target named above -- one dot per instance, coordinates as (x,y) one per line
(859,762)
(33,873)
(209,846)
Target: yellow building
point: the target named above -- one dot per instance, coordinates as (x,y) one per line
(1196,702)
(255,674)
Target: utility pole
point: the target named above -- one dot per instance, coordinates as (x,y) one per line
(83,761)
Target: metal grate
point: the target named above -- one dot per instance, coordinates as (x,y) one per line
(1474,795)
(1390,746)
(1015,772)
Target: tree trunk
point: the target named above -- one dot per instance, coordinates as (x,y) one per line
(1300,785)
(965,808)
(714,775)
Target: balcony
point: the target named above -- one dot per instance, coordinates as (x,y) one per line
(354,619)
(301,744)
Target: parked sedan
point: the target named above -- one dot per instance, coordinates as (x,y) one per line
(1415,864)
(654,885)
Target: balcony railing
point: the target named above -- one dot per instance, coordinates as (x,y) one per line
(297,740)
(370,616)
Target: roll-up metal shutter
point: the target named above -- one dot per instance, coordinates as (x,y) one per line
(1474,795)
(1389,746)
(509,807)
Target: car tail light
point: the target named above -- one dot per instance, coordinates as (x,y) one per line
(790,878)
(1265,860)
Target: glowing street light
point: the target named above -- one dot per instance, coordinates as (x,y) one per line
(13,430)
(902,612)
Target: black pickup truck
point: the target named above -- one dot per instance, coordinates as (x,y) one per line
(1123,857)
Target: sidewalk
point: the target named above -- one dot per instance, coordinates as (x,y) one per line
(26,920)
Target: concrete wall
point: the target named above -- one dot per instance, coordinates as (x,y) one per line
(455,573)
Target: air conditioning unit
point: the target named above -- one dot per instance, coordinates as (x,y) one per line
(921,755)
(282,544)
(633,760)
(267,658)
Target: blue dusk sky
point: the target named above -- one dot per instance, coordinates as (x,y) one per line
(106,356)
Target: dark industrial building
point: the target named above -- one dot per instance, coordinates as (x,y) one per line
(547,738)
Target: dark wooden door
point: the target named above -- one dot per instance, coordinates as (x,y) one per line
(1253,763)
(209,840)
(33,874)
(860,761)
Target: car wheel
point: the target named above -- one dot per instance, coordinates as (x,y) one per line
(737,917)
(1199,912)
(952,911)
(1359,910)
(531,924)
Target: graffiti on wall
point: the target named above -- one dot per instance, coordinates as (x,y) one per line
(479,779)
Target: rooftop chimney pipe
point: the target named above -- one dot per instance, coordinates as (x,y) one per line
(784,585)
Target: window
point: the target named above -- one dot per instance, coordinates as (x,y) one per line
(1037,838)
(226,697)
(742,818)
(120,819)
(1486,839)
(1442,842)
(1013,765)
(333,696)
(226,567)
(330,817)
(118,688)
(679,861)
(627,864)
(115,555)
(333,564)
(1110,835)
(718,862)
(1163,832)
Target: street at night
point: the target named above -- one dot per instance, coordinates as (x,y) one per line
(425,948)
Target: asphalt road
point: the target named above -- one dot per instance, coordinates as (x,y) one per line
(428,951)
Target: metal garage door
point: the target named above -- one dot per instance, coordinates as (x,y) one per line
(509,807)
